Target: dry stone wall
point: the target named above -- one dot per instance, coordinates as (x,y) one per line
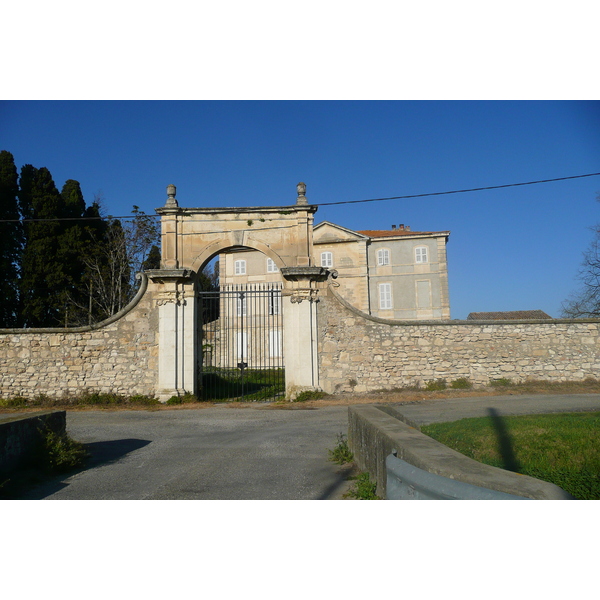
(361,353)
(119,355)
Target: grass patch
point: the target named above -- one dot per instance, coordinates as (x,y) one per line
(341,454)
(363,488)
(96,399)
(251,385)
(563,449)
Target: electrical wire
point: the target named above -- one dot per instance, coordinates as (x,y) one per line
(406,197)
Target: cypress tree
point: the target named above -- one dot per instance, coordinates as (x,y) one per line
(44,280)
(10,241)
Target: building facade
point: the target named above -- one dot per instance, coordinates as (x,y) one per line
(391,274)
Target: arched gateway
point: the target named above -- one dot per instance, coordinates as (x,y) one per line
(191,237)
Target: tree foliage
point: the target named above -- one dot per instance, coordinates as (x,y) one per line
(11,240)
(63,263)
(585,302)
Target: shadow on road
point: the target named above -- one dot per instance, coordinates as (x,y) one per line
(505,444)
(100,453)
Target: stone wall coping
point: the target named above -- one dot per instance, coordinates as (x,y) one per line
(238,210)
(450,322)
(85,328)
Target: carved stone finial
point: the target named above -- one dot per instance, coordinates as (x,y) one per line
(301,188)
(171,200)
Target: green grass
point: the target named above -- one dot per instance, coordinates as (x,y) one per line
(221,385)
(95,399)
(563,449)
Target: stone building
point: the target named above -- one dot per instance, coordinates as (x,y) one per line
(394,274)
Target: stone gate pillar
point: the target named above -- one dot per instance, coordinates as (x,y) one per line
(300,297)
(174,293)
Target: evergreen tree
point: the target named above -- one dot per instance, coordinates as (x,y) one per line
(10,241)
(153,260)
(44,280)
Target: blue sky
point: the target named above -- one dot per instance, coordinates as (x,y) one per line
(509,249)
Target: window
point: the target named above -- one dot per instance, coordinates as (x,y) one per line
(240,267)
(274,302)
(421,254)
(274,343)
(385,295)
(383,257)
(241,307)
(326,259)
(271,266)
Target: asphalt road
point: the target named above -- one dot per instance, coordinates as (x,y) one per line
(253,453)
(216,453)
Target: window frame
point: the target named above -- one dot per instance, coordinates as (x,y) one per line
(388,304)
(272,266)
(383,257)
(239,267)
(421,258)
(327,259)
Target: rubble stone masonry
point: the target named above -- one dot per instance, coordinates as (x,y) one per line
(119,355)
(362,353)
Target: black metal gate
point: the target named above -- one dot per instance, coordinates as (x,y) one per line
(241,341)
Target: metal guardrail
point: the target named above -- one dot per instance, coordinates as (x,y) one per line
(407,482)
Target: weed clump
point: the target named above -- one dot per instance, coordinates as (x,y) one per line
(364,488)
(462,383)
(435,385)
(502,382)
(341,454)
(310,395)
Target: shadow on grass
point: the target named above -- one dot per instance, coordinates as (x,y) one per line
(33,484)
(505,444)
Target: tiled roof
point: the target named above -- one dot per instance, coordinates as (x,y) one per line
(510,315)
(399,232)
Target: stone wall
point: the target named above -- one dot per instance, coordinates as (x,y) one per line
(362,353)
(119,355)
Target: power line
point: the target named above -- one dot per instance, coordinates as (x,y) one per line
(479,189)
(428,194)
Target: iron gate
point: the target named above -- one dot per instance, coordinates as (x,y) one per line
(241,331)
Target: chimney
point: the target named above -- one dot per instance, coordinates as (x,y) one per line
(393,227)
(401,227)
(407,228)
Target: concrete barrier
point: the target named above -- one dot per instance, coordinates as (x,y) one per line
(374,434)
(20,437)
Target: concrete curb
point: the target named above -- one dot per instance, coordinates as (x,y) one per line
(373,434)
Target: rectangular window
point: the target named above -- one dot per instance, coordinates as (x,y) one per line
(241,307)
(421,254)
(274,303)
(240,267)
(271,266)
(326,259)
(383,257)
(385,296)
(274,343)
(242,344)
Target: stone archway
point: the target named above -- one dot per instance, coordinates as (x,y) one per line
(190,237)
